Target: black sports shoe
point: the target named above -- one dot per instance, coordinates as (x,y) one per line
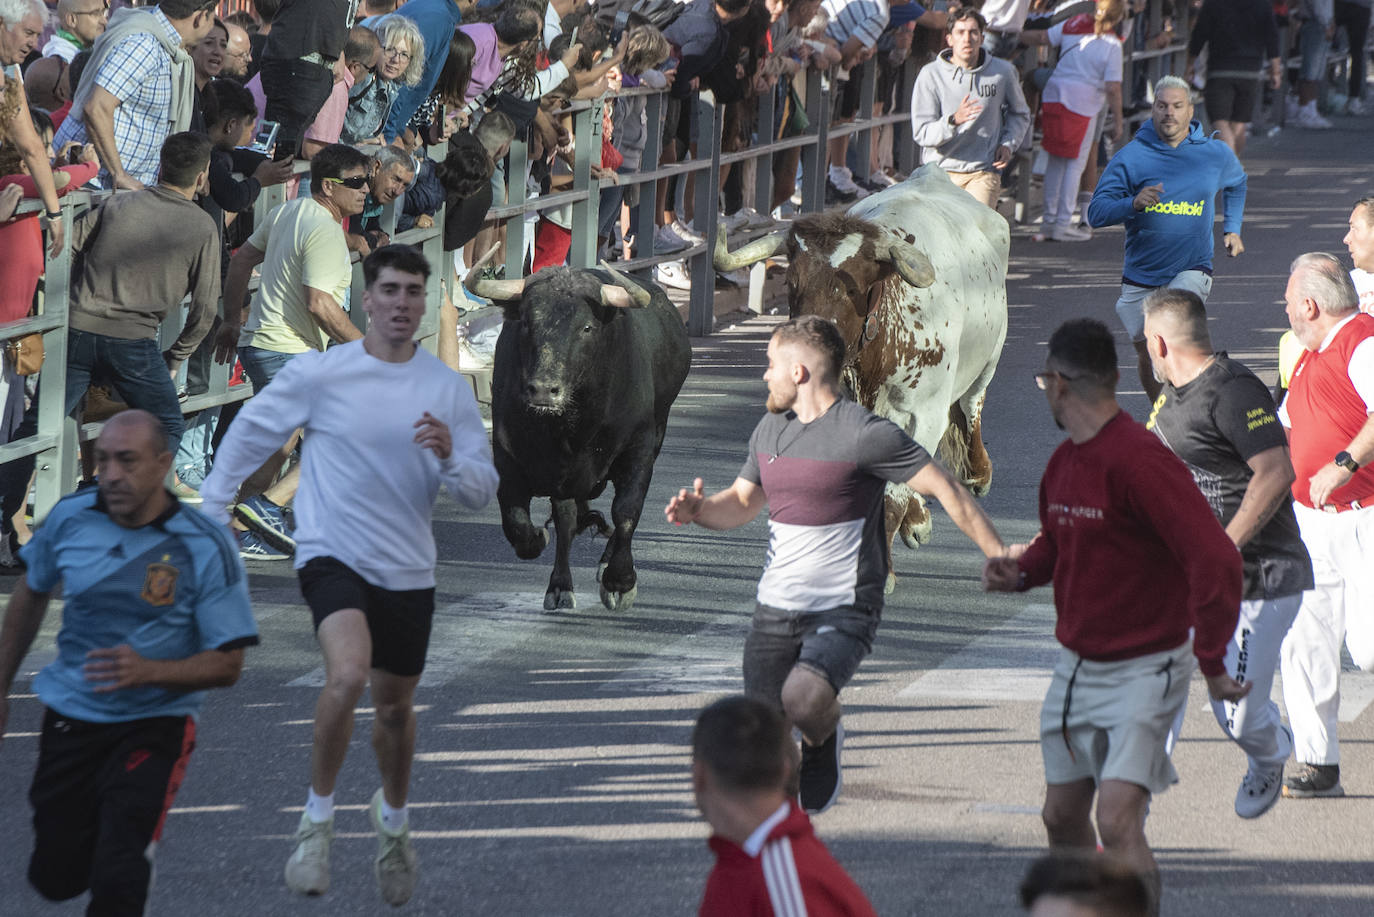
(820,773)
(834,195)
(1313,780)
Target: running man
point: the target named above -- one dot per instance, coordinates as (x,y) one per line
(820,463)
(1221,420)
(1138,562)
(386,423)
(155,612)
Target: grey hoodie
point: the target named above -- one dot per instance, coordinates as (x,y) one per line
(970,147)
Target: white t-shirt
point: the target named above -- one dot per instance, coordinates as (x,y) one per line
(1364,285)
(1086,64)
(1005,15)
(304,246)
(367,490)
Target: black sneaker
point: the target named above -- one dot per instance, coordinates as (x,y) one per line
(834,195)
(820,773)
(1314,780)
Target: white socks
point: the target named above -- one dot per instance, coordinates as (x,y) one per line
(393,820)
(319,808)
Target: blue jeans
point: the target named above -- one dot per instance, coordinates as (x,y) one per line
(139,376)
(261,365)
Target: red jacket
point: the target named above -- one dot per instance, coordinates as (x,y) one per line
(1326,412)
(1136,555)
(792,875)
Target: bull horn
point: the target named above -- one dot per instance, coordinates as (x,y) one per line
(624,293)
(488,288)
(752,253)
(909,261)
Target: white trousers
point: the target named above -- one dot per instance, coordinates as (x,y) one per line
(1061,181)
(1253,656)
(1340,607)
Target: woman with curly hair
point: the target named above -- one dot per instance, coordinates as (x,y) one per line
(402,63)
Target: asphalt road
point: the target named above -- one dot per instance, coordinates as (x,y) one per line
(552,769)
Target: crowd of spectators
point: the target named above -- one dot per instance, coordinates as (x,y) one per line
(93,90)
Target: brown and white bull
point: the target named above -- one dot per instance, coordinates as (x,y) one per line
(915,278)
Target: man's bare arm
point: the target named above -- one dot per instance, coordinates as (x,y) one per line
(119,667)
(330,316)
(730,508)
(1270,486)
(99,117)
(934,481)
(23,617)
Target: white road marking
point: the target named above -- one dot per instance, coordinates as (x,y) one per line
(706,662)
(1011,662)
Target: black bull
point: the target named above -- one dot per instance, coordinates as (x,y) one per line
(581,389)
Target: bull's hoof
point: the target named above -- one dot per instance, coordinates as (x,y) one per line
(980,485)
(558,599)
(890,584)
(532,548)
(619,601)
(913,536)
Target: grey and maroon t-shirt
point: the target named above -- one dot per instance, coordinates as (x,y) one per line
(1215,424)
(824,482)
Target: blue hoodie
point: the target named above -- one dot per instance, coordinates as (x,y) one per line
(1174,235)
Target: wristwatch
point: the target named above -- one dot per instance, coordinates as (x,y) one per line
(1345,461)
(950,119)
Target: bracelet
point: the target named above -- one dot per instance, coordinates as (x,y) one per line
(53,215)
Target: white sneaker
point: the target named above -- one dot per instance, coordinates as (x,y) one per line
(1308,117)
(843,180)
(1290,107)
(1258,792)
(1065,232)
(307,869)
(1354,107)
(397,865)
(672,274)
(687,233)
(666,241)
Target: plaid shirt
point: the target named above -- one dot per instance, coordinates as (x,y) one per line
(138,72)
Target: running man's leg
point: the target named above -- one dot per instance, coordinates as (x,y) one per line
(1311,653)
(393,732)
(1121,810)
(347,647)
(1068,814)
(1253,656)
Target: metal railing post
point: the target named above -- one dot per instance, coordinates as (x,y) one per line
(586,153)
(701,313)
(55,467)
(646,222)
(814,155)
(763,166)
(863,139)
(517,165)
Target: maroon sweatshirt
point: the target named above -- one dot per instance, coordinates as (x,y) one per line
(1135,553)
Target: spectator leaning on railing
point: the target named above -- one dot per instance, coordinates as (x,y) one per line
(138,88)
(437,20)
(400,64)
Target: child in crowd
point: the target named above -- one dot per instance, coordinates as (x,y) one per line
(645,50)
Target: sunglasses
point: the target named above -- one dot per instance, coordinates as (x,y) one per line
(357,182)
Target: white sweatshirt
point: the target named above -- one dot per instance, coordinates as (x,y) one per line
(367,490)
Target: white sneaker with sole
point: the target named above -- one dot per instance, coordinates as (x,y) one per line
(397,865)
(1354,107)
(307,869)
(843,180)
(673,274)
(1309,118)
(1258,792)
(1066,232)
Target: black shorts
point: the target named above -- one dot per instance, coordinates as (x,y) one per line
(99,796)
(398,620)
(1231,98)
(848,105)
(831,643)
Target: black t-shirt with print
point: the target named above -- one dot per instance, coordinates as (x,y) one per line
(1215,424)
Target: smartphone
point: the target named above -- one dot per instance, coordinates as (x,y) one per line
(265,138)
